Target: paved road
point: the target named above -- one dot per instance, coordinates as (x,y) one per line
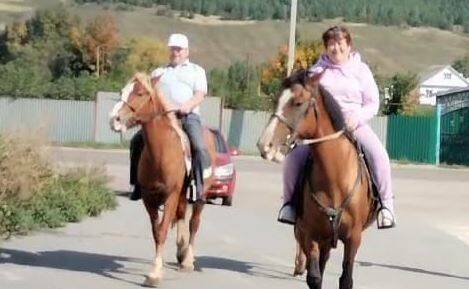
(242,246)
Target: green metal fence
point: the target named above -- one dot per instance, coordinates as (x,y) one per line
(414,138)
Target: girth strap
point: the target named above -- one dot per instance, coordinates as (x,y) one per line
(335,214)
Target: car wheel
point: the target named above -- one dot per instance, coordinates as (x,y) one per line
(227,201)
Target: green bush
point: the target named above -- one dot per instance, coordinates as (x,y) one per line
(32,196)
(67,198)
(239,85)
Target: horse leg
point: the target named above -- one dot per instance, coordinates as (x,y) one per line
(300,261)
(189,259)
(350,251)
(182,239)
(160,233)
(324,256)
(155,275)
(313,277)
(300,257)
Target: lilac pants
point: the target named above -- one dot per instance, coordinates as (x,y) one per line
(376,155)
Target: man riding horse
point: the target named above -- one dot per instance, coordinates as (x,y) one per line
(184,85)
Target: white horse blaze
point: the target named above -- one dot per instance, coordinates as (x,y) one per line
(283,100)
(125,94)
(272,153)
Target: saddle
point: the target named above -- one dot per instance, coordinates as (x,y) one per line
(185,144)
(364,162)
(186,147)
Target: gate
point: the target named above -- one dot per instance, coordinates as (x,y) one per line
(455,127)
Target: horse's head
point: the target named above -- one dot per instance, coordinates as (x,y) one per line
(138,104)
(293,116)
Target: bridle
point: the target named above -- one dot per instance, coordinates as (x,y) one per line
(291,140)
(154,113)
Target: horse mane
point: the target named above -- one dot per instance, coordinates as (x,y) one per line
(145,80)
(298,77)
(302,77)
(332,108)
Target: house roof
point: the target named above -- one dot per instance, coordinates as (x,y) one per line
(430,72)
(452,91)
(435,69)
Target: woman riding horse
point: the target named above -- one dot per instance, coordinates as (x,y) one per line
(328,108)
(351,84)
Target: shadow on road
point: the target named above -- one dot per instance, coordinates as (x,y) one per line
(249,268)
(411,269)
(124,194)
(104,265)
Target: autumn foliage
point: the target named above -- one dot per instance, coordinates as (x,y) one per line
(306,54)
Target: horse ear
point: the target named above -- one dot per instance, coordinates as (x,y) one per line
(145,81)
(313,79)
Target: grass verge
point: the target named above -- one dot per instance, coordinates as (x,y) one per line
(33,196)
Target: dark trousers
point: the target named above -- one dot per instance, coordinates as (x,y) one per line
(136,147)
(200,157)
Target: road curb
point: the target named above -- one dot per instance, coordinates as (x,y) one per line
(395,165)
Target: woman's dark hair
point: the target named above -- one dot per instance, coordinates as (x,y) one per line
(336,33)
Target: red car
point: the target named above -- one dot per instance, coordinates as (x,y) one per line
(225,172)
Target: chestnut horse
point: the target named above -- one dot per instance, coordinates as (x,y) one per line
(162,170)
(336,202)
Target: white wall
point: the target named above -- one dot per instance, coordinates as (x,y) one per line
(430,100)
(439,83)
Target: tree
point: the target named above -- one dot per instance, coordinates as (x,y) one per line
(414,18)
(403,94)
(12,40)
(100,39)
(239,85)
(306,54)
(17,35)
(19,78)
(145,54)
(49,24)
(466,25)
(462,66)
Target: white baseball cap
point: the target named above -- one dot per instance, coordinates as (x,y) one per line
(178,40)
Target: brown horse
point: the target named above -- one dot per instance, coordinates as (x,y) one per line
(162,170)
(336,201)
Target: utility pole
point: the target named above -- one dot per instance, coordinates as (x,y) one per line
(291,43)
(221,113)
(97,60)
(248,76)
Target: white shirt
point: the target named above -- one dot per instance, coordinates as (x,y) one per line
(179,83)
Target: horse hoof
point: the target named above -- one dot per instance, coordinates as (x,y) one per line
(151,281)
(298,272)
(186,268)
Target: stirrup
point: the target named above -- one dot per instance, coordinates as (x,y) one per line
(287,214)
(385,221)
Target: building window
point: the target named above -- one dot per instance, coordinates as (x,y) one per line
(429,93)
(447,75)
